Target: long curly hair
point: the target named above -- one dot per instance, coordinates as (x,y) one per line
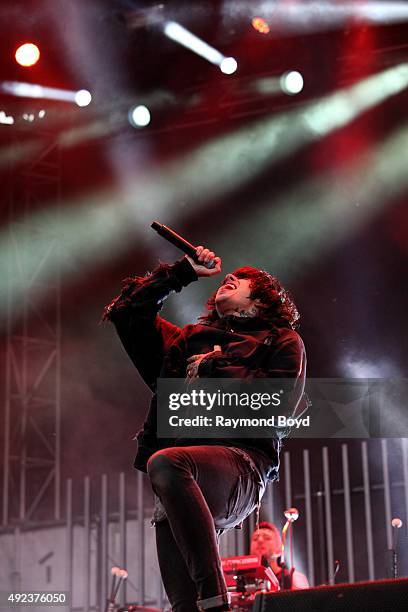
(280,308)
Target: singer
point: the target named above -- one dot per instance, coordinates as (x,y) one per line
(204,487)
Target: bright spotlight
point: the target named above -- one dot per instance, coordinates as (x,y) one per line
(228,65)
(139,116)
(27,55)
(83,97)
(6,119)
(30,90)
(292,82)
(187,39)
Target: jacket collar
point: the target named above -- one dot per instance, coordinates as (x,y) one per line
(241,323)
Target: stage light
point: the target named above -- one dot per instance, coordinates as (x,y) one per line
(260,25)
(187,39)
(299,224)
(228,65)
(139,116)
(83,97)
(28,90)
(6,119)
(292,82)
(27,55)
(41,114)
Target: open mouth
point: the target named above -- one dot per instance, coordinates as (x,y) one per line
(229,286)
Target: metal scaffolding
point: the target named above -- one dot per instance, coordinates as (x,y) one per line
(31,467)
(110,526)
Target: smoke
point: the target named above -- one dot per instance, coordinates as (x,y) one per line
(360,367)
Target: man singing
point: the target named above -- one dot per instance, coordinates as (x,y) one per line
(204,487)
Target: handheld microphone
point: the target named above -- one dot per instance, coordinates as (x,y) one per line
(180,242)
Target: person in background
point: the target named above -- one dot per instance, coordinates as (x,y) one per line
(266,543)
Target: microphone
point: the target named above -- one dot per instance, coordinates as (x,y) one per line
(291,514)
(121,574)
(178,241)
(396,522)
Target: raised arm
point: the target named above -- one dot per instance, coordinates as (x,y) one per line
(145,335)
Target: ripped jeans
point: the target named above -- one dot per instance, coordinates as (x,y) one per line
(203,490)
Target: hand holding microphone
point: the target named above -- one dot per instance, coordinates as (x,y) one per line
(204,261)
(205,258)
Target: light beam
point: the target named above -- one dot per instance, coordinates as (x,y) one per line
(29,90)
(184,37)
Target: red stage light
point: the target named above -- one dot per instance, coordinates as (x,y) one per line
(27,54)
(260,25)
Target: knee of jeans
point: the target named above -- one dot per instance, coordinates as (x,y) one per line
(160,469)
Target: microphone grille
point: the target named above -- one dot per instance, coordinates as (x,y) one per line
(291,514)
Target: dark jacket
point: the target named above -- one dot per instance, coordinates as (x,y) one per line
(250,349)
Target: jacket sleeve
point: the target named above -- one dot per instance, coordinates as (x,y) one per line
(145,335)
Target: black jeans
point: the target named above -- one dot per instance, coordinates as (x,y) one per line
(204,490)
